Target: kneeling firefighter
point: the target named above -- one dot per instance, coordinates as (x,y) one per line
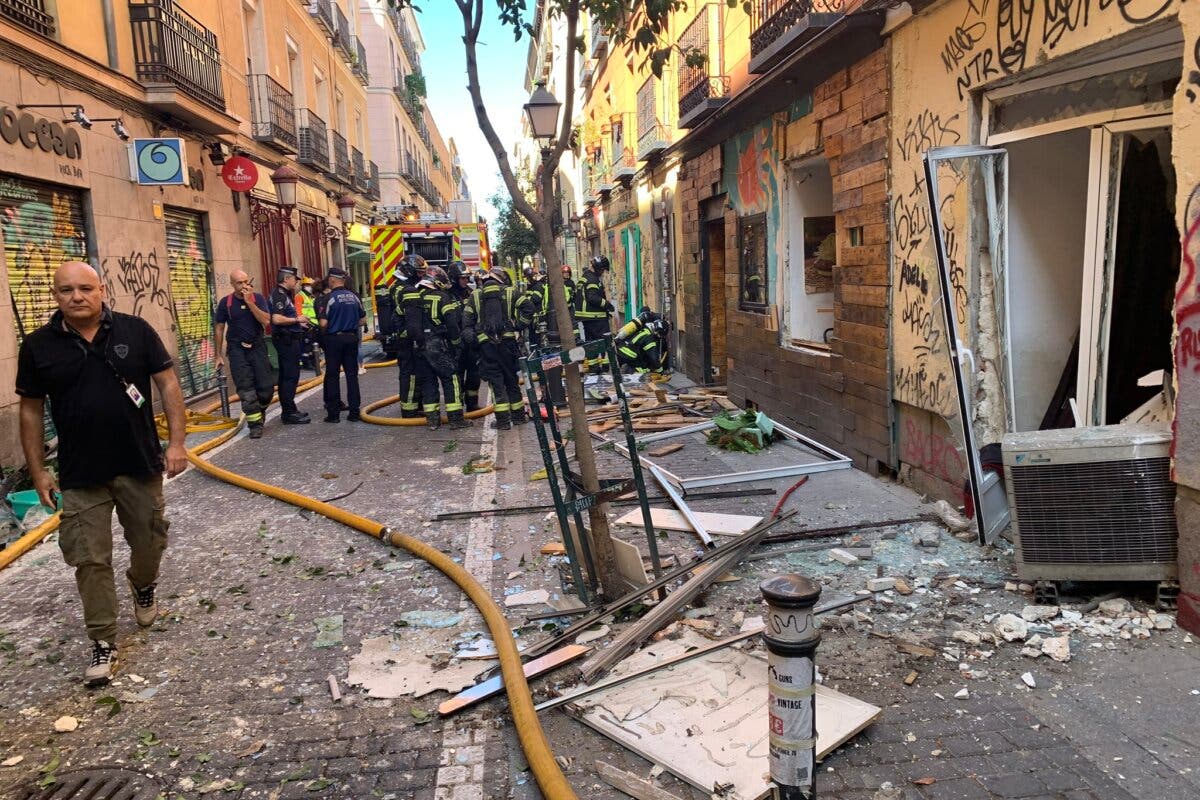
(468,354)
(406,295)
(433,327)
(642,342)
(493,317)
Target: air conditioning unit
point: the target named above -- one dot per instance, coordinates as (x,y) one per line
(1092,504)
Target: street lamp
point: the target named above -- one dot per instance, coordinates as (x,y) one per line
(285,179)
(346,206)
(542,113)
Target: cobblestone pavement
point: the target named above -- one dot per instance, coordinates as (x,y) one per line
(227,695)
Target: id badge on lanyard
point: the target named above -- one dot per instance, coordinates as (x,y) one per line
(135,397)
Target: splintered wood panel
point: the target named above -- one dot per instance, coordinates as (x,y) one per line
(706,720)
(629,562)
(668,519)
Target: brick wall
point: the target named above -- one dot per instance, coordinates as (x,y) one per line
(842,398)
(700,182)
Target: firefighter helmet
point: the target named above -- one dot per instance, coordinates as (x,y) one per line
(499,275)
(566,270)
(438,276)
(600,263)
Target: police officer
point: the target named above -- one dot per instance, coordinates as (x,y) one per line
(593,307)
(549,329)
(641,342)
(287,332)
(468,354)
(341,315)
(405,294)
(433,327)
(244,314)
(494,316)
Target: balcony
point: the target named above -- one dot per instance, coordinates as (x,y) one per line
(172,51)
(358,176)
(341,160)
(587,71)
(778,27)
(624,139)
(341,37)
(408,169)
(655,116)
(413,107)
(599,41)
(322,13)
(314,140)
(29,14)
(423,133)
(407,43)
(702,89)
(372,190)
(359,67)
(273,114)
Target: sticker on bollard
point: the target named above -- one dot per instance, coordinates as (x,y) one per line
(791,706)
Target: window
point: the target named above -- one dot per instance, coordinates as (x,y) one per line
(752,263)
(812,253)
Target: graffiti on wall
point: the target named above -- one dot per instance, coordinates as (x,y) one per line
(135,282)
(977,42)
(38,237)
(1187,339)
(933,452)
(752,162)
(192,306)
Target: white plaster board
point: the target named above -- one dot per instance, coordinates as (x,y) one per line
(668,519)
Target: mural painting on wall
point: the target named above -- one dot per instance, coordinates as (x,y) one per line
(38,237)
(752,163)
(980,42)
(192,304)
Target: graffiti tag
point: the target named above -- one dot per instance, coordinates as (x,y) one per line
(137,276)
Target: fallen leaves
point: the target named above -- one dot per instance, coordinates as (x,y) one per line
(114,705)
(420,716)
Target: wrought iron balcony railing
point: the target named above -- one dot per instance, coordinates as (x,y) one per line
(358,175)
(342,39)
(273,114)
(340,171)
(322,13)
(408,169)
(407,43)
(372,191)
(599,40)
(655,116)
(314,140)
(702,88)
(171,47)
(29,14)
(624,146)
(778,27)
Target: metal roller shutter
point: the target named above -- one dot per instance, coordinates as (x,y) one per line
(191,277)
(43,227)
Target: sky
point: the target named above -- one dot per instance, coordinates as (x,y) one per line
(501,75)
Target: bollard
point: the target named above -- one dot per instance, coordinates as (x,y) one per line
(223,391)
(792,637)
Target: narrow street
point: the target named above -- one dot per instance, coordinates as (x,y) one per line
(228,694)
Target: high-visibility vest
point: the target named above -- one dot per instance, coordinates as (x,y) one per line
(306,306)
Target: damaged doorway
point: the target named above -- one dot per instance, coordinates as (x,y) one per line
(712,289)
(1093,247)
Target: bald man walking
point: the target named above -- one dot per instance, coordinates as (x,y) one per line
(242,317)
(96,366)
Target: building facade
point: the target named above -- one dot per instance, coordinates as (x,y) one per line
(277,82)
(798,257)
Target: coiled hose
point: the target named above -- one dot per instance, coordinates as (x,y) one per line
(538,754)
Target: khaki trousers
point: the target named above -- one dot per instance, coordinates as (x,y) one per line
(86,538)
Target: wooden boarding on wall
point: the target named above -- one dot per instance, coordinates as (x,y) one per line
(705,720)
(668,519)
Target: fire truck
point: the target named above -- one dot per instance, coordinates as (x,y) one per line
(438,238)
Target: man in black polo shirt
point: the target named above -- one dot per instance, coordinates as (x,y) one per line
(288,324)
(96,366)
(245,314)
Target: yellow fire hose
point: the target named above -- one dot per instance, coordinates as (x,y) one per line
(367,416)
(537,750)
(379,364)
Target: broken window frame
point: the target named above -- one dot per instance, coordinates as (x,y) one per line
(743,224)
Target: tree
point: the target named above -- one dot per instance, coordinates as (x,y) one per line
(640,25)
(515,237)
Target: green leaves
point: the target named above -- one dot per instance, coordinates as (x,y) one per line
(420,716)
(742,432)
(114,705)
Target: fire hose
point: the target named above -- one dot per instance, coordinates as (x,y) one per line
(538,754)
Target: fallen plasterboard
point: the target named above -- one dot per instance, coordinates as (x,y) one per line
(389,666)
(629,562)
(530,598)
(668,519)
(706,720)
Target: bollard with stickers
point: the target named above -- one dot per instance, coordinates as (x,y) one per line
(792,637)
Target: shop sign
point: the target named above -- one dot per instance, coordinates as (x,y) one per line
(158,162)
(239,174)
(39,133)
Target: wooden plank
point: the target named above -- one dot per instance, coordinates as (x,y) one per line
(668,519)
(493,686)
(631,784)
(666,451)
(629,563)
(727,404)
(665,611)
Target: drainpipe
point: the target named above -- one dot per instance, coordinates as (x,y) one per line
(110,33)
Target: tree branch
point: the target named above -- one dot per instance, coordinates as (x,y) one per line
(564,136)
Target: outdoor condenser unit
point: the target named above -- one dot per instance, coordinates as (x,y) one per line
(1092,504)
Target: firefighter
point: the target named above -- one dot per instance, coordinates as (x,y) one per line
(288,328)
(306,305)
(592,306)
(642,342)
(549,327)
(405,293)
(433,328)
(493,317)
(536,293)
(468,354)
